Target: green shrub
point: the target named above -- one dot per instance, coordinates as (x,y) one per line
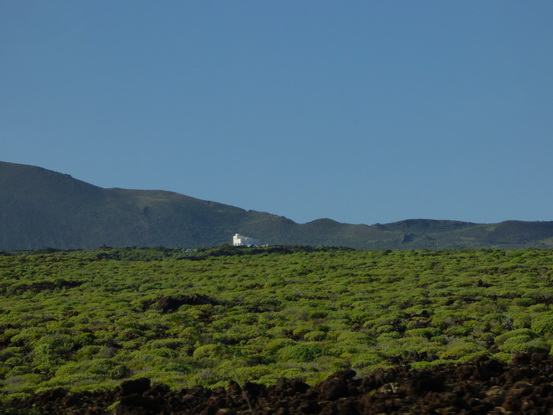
(172,344)
(440,322)
(87,352)
(207,351)
(20,370)
(524,302)
(386,328)
(422,365)
(459,350)
(529,334)
(503,357)
(350,308)
(27,336)
(15,361)
(96,366)
(543,325)
(366,359)
(458,331)
(85,339)
(300,332)
(522,321)
(315,336)
(278,344)
(175,367)
(8,352)
(539,308)
(76,381)
(163,352)
(426,333)
(253,373)
(355,337)
(525,344)
(51,350)
(300,352)
(24,383)
(386,337)
(317,314)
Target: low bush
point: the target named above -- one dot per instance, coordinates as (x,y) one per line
(300,352)
(79,317)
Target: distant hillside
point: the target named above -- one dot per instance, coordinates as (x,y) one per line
(40,208)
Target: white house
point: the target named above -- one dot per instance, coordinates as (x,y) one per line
(240,240)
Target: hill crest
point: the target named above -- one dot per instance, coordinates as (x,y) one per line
(41,208)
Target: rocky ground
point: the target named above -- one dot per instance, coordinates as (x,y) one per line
(482,387)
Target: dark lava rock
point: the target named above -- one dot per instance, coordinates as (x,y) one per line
(425,381)
(137,386)
(483,386)
(332,389)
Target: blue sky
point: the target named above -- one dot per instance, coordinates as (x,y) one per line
(358,111)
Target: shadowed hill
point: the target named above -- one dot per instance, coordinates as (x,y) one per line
(40,208)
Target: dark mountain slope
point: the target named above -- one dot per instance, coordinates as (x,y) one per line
(40,208)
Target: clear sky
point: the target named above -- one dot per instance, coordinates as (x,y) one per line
(360,111)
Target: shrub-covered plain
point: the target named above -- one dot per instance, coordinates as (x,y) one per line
(86,320)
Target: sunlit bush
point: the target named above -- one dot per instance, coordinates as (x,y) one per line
(543,325)
(301,352)
(300,314)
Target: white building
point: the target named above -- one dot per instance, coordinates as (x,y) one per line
(240,240)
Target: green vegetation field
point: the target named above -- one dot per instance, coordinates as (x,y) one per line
(88,319)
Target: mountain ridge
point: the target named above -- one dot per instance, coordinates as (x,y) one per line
(42,208)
